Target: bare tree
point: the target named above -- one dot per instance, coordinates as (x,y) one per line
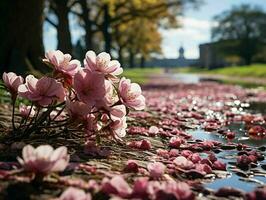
(61,9)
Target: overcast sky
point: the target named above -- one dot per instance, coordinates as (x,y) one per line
(196,25)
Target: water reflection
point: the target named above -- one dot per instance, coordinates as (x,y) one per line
(234,182)
(229,157)
(186,78)
(238,128)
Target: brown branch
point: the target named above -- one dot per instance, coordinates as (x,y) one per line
(50,22)
(73,3)
(76,13)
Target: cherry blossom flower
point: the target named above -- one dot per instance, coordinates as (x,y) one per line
(206,161)
(44,159)
(72,193)
(90,86)
(257,155)
(243,161)
(173,153)
(117,112)
(134,130)
(153,130)
(219,165)
(230,135)
(170,190)
(175,142)
(117,186)
(26,110)
(140,188)
(212,157)
(186,153)
(77,109)
(12,82)
(131,166)
(257,132)
(203,168)
(102,63)
(156,169)
(162,153)
(110,97)
(91,125)
(195,158)
(130,94)
(252,158)
(141,144)
(62,64)
(43,91)
(257,194)
(184,163)
(118,127)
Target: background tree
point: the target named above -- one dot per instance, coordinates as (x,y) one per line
(22,26)
(139,38)
(103,16)
(60,9)
(241,31)
(21,33)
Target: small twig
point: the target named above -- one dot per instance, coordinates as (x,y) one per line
(13,115)
(37,114)
(31,107)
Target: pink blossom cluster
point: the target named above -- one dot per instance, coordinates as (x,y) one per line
(93,95)
(117,187)
(143,188)
(44,159)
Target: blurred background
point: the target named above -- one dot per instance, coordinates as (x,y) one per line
(218,39)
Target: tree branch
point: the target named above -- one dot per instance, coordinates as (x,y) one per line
(70,5)
(76,13)
(50,22)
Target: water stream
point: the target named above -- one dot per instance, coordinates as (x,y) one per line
(229,156)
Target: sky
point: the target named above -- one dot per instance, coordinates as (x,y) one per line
(195,29)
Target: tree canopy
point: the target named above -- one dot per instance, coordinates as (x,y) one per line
(101,21)
(241,31)
(106,20)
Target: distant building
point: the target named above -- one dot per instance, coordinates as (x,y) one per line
(181,61)
(209,56)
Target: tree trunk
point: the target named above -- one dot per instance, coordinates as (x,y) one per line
(63,29)
(248,60)
(106,29)
(120,56)
(131,59)
(87,24)
(21,30)
(248,50)
(142,62)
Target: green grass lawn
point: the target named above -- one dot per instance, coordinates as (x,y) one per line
(255,70)
(252,71)
(141,75)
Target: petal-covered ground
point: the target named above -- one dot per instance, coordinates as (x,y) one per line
(194,141)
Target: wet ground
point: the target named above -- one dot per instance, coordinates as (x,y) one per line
(233,178)
(195,120)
